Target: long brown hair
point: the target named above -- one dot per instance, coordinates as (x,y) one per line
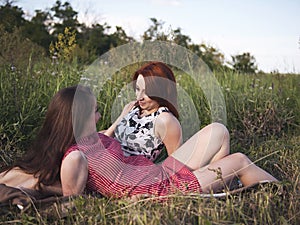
(160,84)
(43,159)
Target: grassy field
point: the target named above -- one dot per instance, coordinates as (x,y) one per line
(263,117)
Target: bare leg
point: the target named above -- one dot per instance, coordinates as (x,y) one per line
(231,166)
(208,145)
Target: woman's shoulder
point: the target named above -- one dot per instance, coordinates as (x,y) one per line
(76,157)
(164,112)
(166,123)
(167,119)
(73,152)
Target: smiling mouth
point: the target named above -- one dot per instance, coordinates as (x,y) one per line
(141,103)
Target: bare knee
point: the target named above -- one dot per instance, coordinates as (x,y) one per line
(220,129)
(241,158)
(221,135)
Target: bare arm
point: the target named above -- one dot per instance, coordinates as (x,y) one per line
(74,173)
(168,128)
(110,131)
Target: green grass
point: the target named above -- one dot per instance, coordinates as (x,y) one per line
(262,117)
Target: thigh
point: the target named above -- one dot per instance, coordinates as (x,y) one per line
(200,149)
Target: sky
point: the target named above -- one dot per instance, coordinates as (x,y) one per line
(268,29)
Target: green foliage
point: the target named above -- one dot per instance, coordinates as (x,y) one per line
(24,95)
(119,37)
(262,111)
(37,31)
(264,205)
(274,146)
(155,31)
(209,54)
(65,16)
(17,51)
(47,26)
(96,39)
(244,63)
(260,106)
(11,17)
(213,58)
(181,39)
(65,45)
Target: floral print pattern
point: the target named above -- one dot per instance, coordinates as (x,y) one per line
(136,134)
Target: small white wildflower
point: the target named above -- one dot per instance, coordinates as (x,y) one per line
(20,207)
(85,78)
(270,88)
(13,68)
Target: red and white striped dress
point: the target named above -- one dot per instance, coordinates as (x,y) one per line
(114,175)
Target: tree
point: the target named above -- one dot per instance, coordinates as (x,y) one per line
(244,63)
(180,38)
(65,17)
(94,39)
(213,58)
(37,30)
(119,37)
(210,55)
(11,17)
(155,32)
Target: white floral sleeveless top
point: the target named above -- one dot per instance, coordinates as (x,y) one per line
(136,134)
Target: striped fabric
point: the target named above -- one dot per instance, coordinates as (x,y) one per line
(114,175)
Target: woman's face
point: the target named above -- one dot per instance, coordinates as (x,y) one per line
(145,103)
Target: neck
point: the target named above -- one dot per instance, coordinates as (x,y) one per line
(144,112)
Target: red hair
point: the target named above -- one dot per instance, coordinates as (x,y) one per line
(160,84)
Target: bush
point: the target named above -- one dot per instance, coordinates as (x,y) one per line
(17,51)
